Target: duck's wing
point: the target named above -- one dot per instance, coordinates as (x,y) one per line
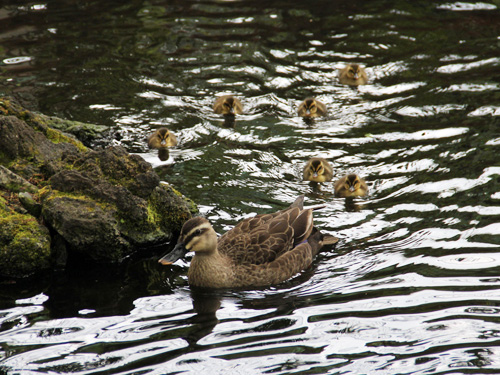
(264,238)
(321,108)
(238,107)
(153,141)
(257,247)
(250,224)
(283,267)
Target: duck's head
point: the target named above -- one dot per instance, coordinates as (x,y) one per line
(196,235)
(316,168)
(354,71)
(353,184)
(310,108)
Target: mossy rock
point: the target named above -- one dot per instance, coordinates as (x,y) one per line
(125,197)
(105,204)
(24,245)
(88,227)
(39,123)
(88,134)
(30,153)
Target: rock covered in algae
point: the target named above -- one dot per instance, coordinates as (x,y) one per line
(24,243)
(103,204)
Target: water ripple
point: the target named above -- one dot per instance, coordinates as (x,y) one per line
(412,286)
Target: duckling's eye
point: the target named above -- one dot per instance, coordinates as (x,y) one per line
(197,232)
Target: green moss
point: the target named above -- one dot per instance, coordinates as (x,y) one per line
(167,212)
(193,207)
(55,136)
(76,128)
(24,245)
(3,204)
(37,122)
(47,194)
(9,108)
(142,231)
(44,192)
(153,216)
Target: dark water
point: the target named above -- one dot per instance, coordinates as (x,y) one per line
(414,285)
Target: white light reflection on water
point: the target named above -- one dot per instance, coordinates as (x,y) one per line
(413,285)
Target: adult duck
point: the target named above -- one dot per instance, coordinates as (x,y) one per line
(260,251)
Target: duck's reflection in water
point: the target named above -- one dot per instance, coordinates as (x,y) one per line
(353,206)
(163,154)
(205,303)
(229,121)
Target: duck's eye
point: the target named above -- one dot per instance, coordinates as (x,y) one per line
(197,232)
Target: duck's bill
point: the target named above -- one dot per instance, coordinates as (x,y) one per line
(178,252)
(329,240)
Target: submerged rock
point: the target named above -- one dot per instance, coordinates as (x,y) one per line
(102,204)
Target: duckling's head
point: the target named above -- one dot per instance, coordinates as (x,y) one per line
(309,108)
(228,105)
(314,170)
(231,106)
(163,135)
(354,71)
(353,184)
(162,138)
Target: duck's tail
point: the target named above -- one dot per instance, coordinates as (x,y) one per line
(299,202)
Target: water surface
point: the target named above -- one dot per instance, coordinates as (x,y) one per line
(412,287)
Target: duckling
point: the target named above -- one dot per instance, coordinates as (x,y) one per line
(228,105)
(162,138)
(311,107)
(318,170)
(350,186)
(353,75)
(259,251)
